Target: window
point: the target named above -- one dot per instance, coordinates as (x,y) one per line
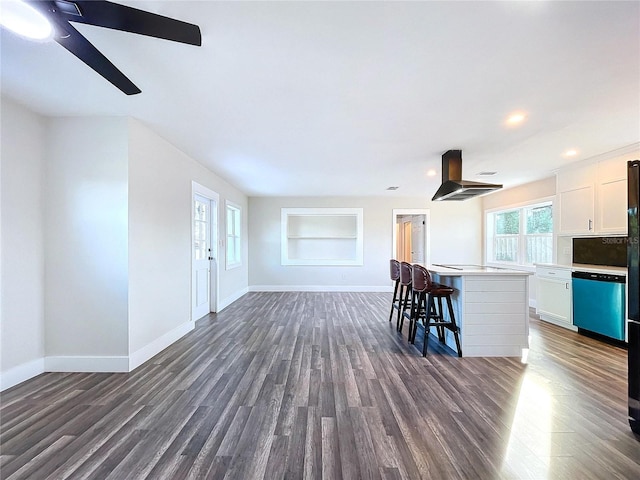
(234,244)
(522,235)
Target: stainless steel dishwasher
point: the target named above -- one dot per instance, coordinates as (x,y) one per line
(599,303)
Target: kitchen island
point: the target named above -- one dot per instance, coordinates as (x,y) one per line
(491,306)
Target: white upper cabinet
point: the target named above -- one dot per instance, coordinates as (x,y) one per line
(611,205)
(576,199)
(593,198)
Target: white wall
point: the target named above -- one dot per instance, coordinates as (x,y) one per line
(520,194)
(457,231)
(22,259)
(529,192)
(96,243)
(85,241)
(160,193)
(455,237)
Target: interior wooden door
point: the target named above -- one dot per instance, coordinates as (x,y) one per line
(406,247)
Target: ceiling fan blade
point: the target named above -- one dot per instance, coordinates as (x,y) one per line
(128,19)
(85,51)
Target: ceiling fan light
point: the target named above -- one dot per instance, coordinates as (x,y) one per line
(26,21)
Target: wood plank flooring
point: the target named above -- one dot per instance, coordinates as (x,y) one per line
(320,385)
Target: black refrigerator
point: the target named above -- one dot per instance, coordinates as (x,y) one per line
(633,296)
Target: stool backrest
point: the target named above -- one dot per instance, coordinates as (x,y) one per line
(421,279)
(394,266)
(405,273)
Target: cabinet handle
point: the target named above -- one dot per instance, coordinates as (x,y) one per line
(590,222)
(566,286)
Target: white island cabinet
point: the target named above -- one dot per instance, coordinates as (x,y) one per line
(491,306)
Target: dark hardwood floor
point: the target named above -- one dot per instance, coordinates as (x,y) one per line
(320,385)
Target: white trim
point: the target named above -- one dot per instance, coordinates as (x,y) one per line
(204,191)
(427,231)
(89,363)
(618,152)
(225,302)
(320,288)
(229,204)
(519,206)
(147,352)
(322,213)
(196,188)
(21,373)
(527,203)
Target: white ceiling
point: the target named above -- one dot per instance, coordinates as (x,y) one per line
(349,98)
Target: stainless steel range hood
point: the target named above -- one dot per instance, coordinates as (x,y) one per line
(453,187)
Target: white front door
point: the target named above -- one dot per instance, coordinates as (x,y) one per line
(203,254)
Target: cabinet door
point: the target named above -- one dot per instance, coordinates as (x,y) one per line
(612,206)
(576,210)
(611,196)
(554,299)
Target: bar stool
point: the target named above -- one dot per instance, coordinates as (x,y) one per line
(394,267)
(404,302)
(425,294)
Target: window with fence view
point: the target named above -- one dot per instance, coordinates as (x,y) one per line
(521,235)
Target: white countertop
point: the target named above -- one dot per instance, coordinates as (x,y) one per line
(454,270)
(581,267)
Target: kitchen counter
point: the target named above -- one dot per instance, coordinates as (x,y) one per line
(460,269)
(582,267)
(491,306)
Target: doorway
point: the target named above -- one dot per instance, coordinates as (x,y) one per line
(204,251)
(411,235)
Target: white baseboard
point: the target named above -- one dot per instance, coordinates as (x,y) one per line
(21,373)
(143,354)
(532,303)
(225,302)
(319,288)
(88,363)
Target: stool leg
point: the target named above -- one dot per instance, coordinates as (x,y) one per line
(413,313)
(403,305)
(395,298)
(400,295)
(454,326)
(425,305)
(425,342)
(440,328)
(415,317)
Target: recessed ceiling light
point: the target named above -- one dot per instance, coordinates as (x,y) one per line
(486,174)
(570,153)
(516,118)
(26,21)
(431,172)
(392,188)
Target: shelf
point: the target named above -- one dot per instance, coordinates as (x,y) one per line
(333,237)
(322,236)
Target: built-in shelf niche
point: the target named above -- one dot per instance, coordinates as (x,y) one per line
(322,236)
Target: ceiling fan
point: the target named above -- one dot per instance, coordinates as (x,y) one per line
(106,14)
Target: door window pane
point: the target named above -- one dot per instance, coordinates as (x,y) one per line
(200,233)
